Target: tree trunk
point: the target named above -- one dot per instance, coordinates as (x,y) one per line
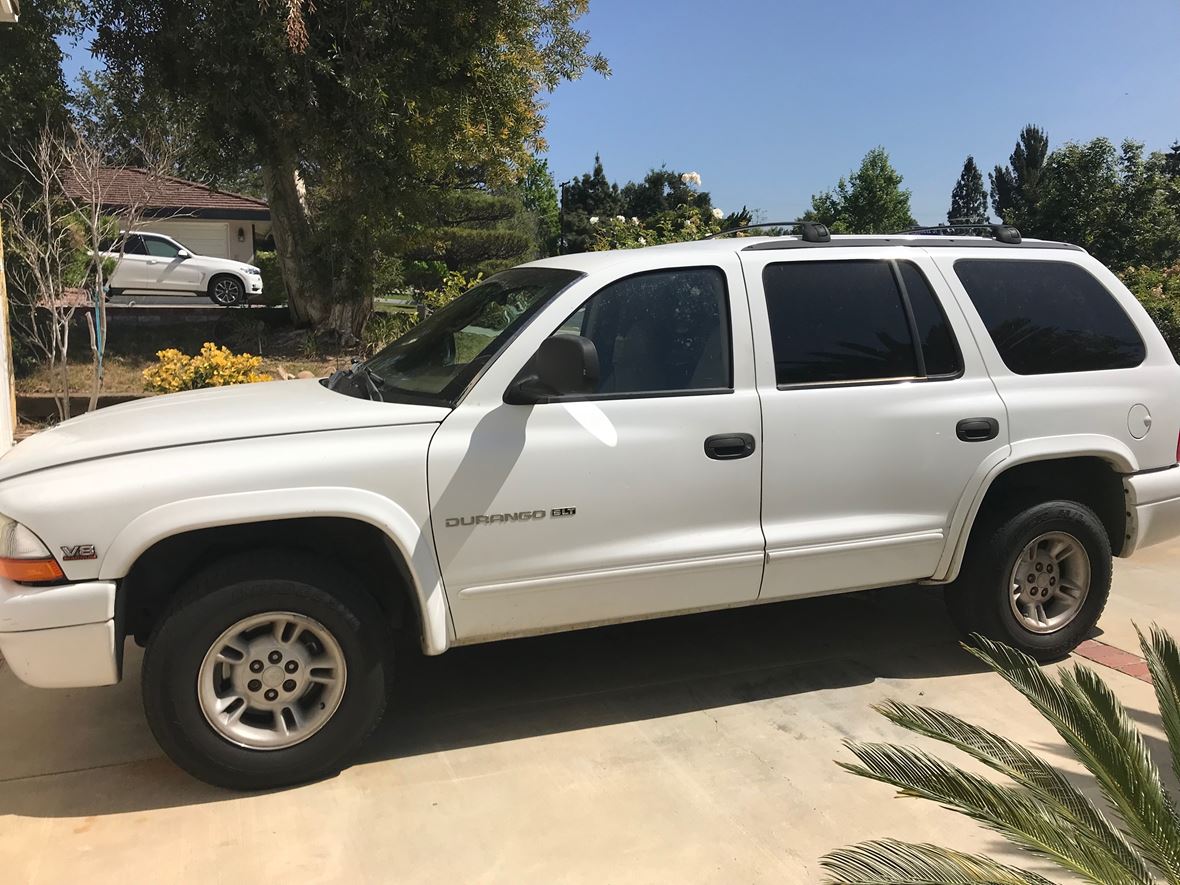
(316,296)
(291,224)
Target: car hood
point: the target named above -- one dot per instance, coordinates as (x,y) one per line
(210,262)
(179,419)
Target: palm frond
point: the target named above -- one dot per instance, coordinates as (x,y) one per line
(1098,731)
(889,862)
(1044,782)
(1019,814)
(1163,660)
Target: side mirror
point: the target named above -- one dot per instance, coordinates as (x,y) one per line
(183,254)
(563,365)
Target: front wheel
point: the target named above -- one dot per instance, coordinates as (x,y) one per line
(1037,580)
(263,675)
(227,291)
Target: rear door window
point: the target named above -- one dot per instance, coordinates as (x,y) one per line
(840,322)
(1048,317)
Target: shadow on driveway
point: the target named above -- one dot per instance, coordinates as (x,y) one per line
(567,682)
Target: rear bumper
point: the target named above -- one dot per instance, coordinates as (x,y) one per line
(62,636)
(1153,508)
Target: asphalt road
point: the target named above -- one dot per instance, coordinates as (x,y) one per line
(695,749)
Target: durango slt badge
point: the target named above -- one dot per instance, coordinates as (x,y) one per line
(518,516)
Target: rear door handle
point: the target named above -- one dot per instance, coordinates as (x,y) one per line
(729,446)
(977,429)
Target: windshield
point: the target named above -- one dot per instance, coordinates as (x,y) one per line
(438,358)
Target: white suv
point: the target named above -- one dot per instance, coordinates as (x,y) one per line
(154,264)
(592,439)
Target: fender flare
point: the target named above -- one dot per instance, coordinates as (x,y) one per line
(412,540)
(1047,448)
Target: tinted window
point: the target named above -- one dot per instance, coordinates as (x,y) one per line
(1050,316)
(160,248)
(134,246)
(938,347)
(837,321)
(659,332)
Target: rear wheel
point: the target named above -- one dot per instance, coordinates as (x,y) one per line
(227,291)
(267,672)
(1037,580)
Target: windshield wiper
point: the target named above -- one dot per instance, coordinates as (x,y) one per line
(363,379)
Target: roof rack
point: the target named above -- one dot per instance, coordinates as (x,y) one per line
(1005,233)
(810,231)
(908,241)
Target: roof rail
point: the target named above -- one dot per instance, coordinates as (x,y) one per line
(810,231)
(1005,233)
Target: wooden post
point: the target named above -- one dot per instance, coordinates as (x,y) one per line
(8,406)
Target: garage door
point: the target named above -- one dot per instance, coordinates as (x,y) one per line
(199,237)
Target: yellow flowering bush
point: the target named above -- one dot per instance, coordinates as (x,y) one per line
(213,367)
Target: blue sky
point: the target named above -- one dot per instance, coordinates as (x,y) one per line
(773,101)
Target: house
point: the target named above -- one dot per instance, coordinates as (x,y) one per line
(205,220)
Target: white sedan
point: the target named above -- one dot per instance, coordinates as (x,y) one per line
(153,264)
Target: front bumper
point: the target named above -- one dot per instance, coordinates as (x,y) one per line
(62,636)
(1153,508)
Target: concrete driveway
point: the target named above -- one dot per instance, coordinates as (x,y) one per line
(686,750)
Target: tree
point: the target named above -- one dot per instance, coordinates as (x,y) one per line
(870,201)
(1116,203)
(539,195)
(591,196)
(56,228)
(33,93)
(474,231)
(1040,810)
(354,118)
(1016,187)
(968,199)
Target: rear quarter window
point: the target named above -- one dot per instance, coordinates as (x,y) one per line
(1048,317)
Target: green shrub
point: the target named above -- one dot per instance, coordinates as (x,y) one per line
(1158,290)
(274,292)
(385,327)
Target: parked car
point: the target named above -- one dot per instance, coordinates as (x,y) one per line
(154,264)
(592,439)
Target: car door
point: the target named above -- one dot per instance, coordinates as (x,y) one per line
(640,498)
(131,266)
(167,270)
(878,416)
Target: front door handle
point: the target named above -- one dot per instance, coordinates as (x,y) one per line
(729,446)
(977,429)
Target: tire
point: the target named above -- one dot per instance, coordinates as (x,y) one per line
(226,291)
(990,591)
(337,706)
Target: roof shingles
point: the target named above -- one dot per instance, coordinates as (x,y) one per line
(128,186)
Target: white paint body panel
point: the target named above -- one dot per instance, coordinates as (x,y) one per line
(864,485)
(659,526)
(860,481)
(151,274)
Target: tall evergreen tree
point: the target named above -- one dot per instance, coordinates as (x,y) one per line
(870,201)
(591,196)
(1016,188)
(968,199)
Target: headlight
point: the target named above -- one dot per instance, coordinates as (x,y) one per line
(253,271)
(23,557)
